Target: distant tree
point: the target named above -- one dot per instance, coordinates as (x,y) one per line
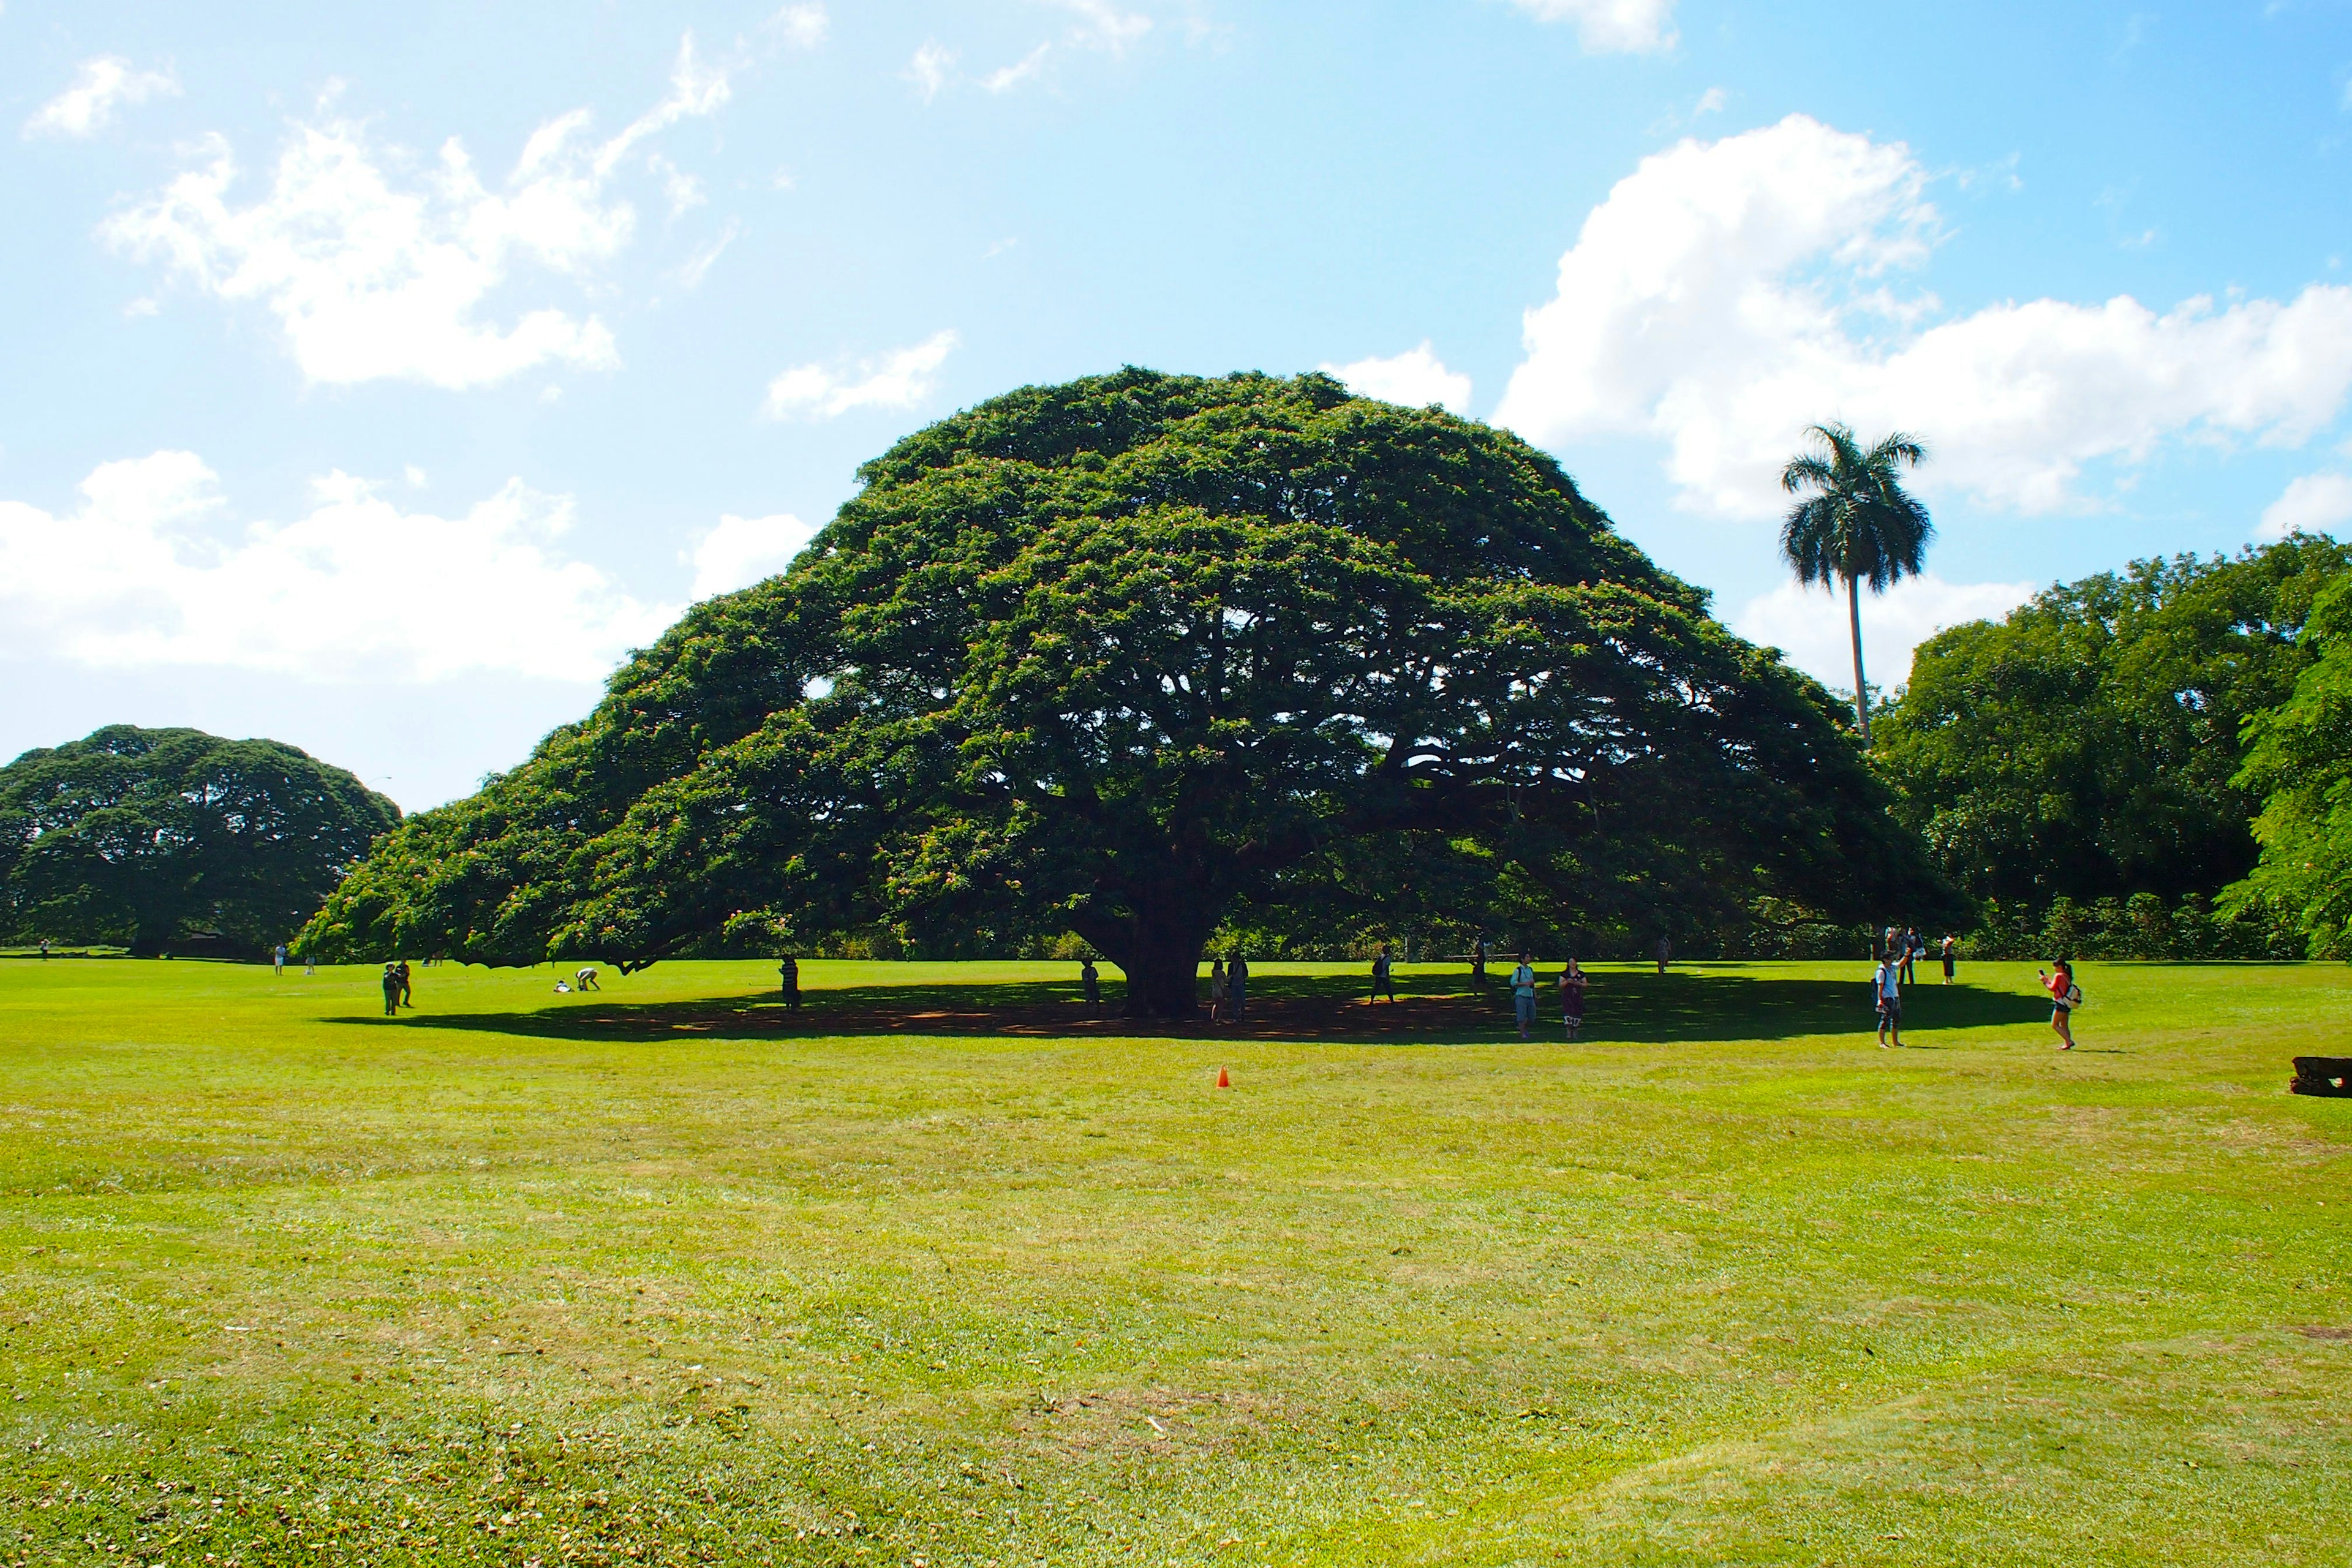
(2087,746)
(148,836)
(1123,656)
(1855,525)
(2299,764)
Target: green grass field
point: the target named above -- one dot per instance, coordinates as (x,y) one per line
(661,1275)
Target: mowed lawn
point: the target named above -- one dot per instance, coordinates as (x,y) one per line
(659,1276)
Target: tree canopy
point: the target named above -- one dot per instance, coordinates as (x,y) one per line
(2088,746)
(149,837)
(1125,656)
(2299,763)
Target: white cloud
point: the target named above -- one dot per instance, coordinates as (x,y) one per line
(1021,70)
(100,86)
(2315,503)
(414,476)
(928,70)
(742,551)
(1729,293)
(802,26)
(1102,26)
(144,572)
(696,267)
(1810,625)
(1415,378)
(1610,27)
(899,380)
(371,275)
(684,190)
(1712,101)
(695,90)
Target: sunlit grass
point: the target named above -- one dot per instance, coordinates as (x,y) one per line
(659,1275)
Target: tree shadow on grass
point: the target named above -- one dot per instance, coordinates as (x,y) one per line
(1684,1007)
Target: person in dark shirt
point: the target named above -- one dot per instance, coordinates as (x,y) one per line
(788,980)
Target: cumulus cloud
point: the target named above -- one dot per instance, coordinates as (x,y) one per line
(148,569)
(1810,625)
(101,86)
(371,274)
(928,70)
(742,551)
(1415,378)
(900,380)
(1610,27)
(2315,503)
(1729,293)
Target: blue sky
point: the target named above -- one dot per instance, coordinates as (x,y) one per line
(378,374)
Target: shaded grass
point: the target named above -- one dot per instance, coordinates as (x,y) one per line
(1719,1285)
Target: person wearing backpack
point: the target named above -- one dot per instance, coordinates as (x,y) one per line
(2064,997)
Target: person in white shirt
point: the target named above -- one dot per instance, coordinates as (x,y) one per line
(1887,992)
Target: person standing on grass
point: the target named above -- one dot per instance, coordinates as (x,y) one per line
(1090,981)
(1478,965)
(391,991)
(400,971)
(1665,951)
(1237,980)
(1383,976)
(310,964)
(788,980)
(1950,950)
(1887,993)
(1571,997)
(44,950)
(2064,997)
(1523,994)
(278,961)
(1216,991)
(585,980)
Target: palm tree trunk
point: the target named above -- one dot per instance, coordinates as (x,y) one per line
(1860,691)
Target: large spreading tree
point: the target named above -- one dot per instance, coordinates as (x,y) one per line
(152,837)
(1121,656)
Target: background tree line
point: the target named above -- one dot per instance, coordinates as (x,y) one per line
(2148,762)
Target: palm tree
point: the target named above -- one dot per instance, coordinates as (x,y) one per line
(1855,524)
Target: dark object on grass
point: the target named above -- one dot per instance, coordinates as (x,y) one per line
(2322,1075)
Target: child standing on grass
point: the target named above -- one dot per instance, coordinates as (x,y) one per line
(1887,992)
(2064,997)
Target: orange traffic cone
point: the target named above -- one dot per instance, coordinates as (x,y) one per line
(1222,1081)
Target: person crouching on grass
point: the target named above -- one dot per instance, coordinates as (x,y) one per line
(1886,991)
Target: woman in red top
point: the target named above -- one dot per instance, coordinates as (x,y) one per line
(2061,986)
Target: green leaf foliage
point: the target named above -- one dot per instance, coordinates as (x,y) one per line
(1121,656)
(2087,746)
(158,839)
(2299,763)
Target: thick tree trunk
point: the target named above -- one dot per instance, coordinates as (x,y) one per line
(1860,691)
(1157,948)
